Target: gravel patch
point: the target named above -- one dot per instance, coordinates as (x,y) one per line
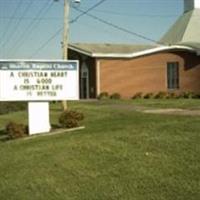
(175,111)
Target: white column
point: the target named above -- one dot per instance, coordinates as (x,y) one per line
(98,87)
(38,114)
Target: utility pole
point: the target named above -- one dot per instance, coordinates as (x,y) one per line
(66,35)
(65,38)
(65,29)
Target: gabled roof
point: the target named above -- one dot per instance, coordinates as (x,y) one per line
(186,30)
(110,48)
(123,51)
(184,35)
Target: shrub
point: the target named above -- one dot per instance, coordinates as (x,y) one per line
(15,130)
(6,107)
(70,119)
(137,95)
(103,95)
(115,96)
(181,95)
(196,96)
(188,95)
(148,96)
(173,95)
(161,95)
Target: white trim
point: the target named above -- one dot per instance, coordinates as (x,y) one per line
(98,87)
(79,50)
(145,52)
(37,60)
(133,55)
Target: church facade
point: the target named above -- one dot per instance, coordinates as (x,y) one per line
(173,66)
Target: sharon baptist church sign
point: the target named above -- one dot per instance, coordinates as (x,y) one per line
(38,82)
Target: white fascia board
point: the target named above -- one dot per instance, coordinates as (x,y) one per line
(142,53)
(80,51)
(133,55)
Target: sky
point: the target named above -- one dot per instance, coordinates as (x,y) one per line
(33,29)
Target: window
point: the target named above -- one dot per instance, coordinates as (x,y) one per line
(173,75)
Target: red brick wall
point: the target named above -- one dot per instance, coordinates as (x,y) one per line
(148,74)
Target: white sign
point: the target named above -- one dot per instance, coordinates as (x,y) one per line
(38,123)
(39,80)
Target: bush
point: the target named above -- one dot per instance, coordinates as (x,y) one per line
(173,95)
(6,107)
(162,95)
(148,96)
(103,95)
(196,96)
(187,95)
(15,130)
(115,96)
(70,119)
(137,95)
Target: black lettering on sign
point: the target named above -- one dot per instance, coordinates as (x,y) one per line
(26,81)
(11,74)
(15,87)
(29,93)
(44,81)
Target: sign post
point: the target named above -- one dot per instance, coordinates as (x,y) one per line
(38,114)
(38,82)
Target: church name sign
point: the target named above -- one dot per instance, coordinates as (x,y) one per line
(39,80)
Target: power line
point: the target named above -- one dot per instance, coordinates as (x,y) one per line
(21,40)
(49,40)
(18,0)
(10,21)
(116,26)
(46,43)
(19,21)
(87,11)
(98,19)
(105,30)
(59,30)
(32,18)
(110,12)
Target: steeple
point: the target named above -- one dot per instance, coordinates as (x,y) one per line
(191,4)
(187,27)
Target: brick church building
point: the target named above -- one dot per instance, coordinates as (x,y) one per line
(129,69)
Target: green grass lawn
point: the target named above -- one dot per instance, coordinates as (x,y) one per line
(122,154)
